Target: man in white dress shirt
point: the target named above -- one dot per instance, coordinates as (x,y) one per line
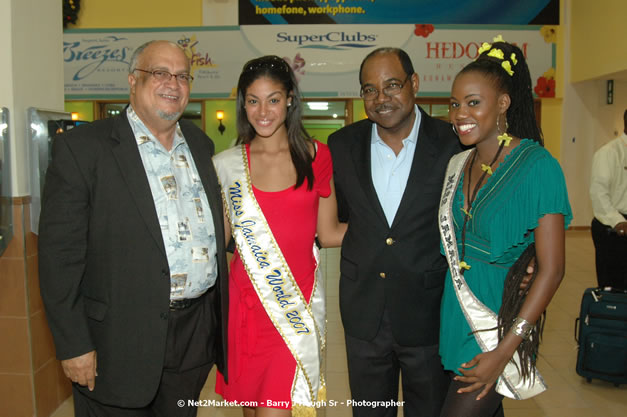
(608,192)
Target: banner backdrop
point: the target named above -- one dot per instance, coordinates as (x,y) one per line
(478,12)
(325,58)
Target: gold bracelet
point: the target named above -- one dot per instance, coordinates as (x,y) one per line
(522,328)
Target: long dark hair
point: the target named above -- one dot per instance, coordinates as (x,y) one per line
(521,117)
(505,66)
(299,141)
(511,303)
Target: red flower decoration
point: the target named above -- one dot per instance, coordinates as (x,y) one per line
(423,30)
(545,88)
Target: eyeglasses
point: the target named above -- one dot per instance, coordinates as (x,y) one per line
(267,62)
(164,76)
(370,93)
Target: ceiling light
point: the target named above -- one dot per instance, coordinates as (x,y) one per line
(318,105)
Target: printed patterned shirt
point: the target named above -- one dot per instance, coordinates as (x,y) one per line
(183,210)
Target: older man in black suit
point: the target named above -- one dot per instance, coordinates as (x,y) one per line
(131,247)
(388,172)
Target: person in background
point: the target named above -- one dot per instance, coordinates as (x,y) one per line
(278,194)
(388,171)
(131,250)
(608,192)
(501,197)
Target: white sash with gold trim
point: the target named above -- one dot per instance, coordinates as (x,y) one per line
(479,317)
(302,325)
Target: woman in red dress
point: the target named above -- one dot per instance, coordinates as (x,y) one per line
(279,195)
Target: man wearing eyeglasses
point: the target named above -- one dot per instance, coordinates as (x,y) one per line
(131,250)
(388,173)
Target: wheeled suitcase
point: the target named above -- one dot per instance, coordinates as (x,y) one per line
(601,332)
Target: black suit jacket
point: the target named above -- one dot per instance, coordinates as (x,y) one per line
(104,274)
(396,268)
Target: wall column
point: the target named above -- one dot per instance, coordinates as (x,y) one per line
(31,75)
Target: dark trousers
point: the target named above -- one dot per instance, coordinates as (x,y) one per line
(374,367)
(611,256)
(190,355)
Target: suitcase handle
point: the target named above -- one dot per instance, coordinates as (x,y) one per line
(612,290)
(577,328)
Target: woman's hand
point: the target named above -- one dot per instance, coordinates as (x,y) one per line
(482,371)
(549,238)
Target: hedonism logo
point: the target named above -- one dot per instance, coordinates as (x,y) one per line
(333,40)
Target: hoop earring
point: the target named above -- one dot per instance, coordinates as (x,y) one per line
(503,137)
(455,129)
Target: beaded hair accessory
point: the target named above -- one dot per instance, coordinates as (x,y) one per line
(498,53)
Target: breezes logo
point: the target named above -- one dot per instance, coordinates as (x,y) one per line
(93,53)
(330,40)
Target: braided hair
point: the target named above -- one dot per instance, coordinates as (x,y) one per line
(513,299)
(520,115)
(505,66)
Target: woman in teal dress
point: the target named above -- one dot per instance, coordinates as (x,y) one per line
(509,192)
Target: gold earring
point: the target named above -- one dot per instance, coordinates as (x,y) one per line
(503,138)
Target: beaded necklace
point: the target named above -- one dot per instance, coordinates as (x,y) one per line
(487,170)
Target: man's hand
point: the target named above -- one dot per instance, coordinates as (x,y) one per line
(82,369)
(621,229)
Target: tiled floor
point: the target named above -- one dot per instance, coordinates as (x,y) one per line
(569,395)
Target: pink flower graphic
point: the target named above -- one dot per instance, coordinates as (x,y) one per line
(297,65)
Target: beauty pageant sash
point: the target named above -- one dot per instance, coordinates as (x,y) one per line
(478,316)
(301,325)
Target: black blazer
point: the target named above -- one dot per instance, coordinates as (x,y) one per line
(103,269)
(398,268)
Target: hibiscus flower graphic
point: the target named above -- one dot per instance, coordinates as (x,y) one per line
(545,86)
(423,30)
(549,34)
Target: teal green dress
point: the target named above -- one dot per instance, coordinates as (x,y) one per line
(526,186)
